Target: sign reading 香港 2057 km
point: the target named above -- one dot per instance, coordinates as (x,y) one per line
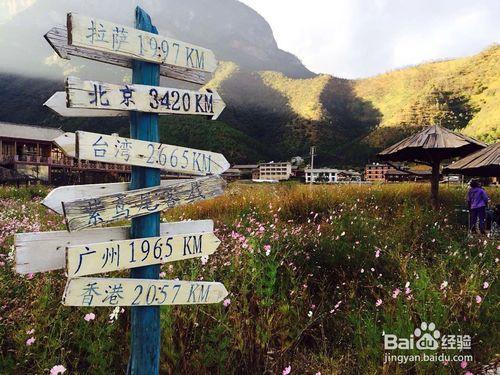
(93,33)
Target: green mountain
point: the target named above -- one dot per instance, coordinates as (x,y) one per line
(276,108)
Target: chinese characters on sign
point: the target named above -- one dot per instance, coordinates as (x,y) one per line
(117,255)
(85,291)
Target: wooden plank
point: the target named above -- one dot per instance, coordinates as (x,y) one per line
(46,251)
(54,199)
(101,257)
(57,103)
(57,37)
(143,98)
(86,213)
(89,291)
(120,150)
(100,35)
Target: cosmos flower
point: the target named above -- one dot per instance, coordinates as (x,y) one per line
(88,317)
(287,370)
(58,369)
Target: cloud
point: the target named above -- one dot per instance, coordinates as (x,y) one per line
(359,38)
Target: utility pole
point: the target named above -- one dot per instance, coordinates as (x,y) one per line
(313,149)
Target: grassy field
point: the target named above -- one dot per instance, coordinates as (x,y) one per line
(316,275)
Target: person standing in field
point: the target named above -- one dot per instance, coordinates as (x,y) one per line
(477,200)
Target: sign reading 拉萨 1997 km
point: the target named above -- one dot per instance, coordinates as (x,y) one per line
(110,256)
(93,33)
(89,291)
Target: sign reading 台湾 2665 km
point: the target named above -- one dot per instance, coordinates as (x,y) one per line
(93,33)
(120,150)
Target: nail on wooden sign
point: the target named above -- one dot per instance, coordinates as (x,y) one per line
(120,150)
(143,98)
(110,256)
(86,213)
(88,291)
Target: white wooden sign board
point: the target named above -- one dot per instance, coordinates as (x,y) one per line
(100,35)
(85,213)
(69,193)
(57,37)
(134,97)
(88,291)
(46,251)
(101,257)
(120,150)
(57,103)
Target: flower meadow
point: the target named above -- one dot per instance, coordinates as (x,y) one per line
(316,276)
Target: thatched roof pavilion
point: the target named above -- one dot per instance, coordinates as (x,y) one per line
(431,146)
(485,162)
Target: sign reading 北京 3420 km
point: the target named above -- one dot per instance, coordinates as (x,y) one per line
(93,33)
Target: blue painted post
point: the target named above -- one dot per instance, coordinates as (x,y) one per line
(145,320)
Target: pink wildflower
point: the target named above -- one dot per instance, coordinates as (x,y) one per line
(478,299)
(88,317)
(30,341)
(267,248)
(162,274)
(30,332)
(58,369)
(463,364)
(378,303)
(396,293)
(287,370)
(444,284)
(377,253)
(226,302)
(486,285)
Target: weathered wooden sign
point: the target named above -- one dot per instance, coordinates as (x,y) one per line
(57,37)
(120,150)
(89,259)
(129,97)
(57,103)
(69,193)
(46,251)
(88,291)
(92,33)
(85,213)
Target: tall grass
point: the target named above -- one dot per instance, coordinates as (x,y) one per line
(305,267)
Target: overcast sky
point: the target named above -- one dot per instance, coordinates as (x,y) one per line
(359,38)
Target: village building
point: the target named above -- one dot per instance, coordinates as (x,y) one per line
(376,172)
(274,171)
(330,175)
(29,150)
(246,170)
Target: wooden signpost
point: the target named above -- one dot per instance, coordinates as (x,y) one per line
(86,213)
(147,243)
(99,35)
(46,251)
(74,192)
(128,97)
(57,37)
(89,259)
(89,291)
(114,149)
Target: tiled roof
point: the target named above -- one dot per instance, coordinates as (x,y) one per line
(32,132)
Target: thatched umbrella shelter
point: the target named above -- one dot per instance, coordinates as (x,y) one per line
(431,146)
(485,163)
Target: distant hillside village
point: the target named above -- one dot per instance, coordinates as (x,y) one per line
(28,154)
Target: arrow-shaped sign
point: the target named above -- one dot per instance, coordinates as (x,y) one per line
(129,97)
(120,150)
(58,39)
(57,103)
(68,193)
(88,291)
(46,251)
(100,35)
(110,256)
(85,213)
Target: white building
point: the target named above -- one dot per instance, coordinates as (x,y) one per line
(275,171)
(330,175)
